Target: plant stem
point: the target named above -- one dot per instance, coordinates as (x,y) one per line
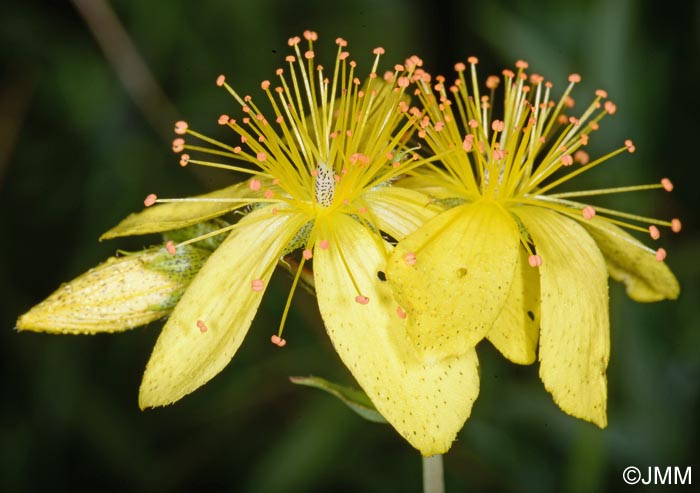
(433,481)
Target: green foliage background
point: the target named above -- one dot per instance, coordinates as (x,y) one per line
(77,155)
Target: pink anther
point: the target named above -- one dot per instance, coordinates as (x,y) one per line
(654,232)
(257,285)
(400,312)
(170,247)
(410,258)
(660,254)
(473,60)
(362,300)
(567,160)
(575,78)
(667,184)
(255,185)
(181,127)
(261,156)
(202,326)
(534,260)
(277,340)
(220,80)
(178,145)
(307,254)
(324,244)
(150,199)
(588,212)
(676,225)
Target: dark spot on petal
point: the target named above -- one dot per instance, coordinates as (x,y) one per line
(531,315)
(461,272)
(381,276)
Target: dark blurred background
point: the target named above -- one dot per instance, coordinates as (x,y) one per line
(79,151)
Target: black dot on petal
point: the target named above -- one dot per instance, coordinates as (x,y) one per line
(531,315)
(461,272)
(381,276)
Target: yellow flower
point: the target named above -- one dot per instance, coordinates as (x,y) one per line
(509,259)
(321,172)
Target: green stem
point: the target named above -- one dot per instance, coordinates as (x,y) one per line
(433,481)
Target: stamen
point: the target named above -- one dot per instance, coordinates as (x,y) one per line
(324,244)
(255,185)
(676,225)
(184,159)
(362,300)
(277,340)
(220,80)
(202,326)
(400,312)
(410,258)
(178,145)
(150,200)
(534,260)
(666,183)
(654,232)
(181,127)
(660,254)
(588,212)
(257,285)
(307,254)
(170,247)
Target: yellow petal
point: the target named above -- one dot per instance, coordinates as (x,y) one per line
(399,211)
(516,330)
(426,404)
(575,326)
(119,294)
(645,278)
(174,215)
(464,264)
(221,296)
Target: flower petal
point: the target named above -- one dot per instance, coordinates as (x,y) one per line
(119,294)
(174,215)
(186,355)
(516,330)
(645,278)
(427,404)
(464,264)
(575,326)
(399,211)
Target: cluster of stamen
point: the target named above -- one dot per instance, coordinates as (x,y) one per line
(520,158)
(331,138)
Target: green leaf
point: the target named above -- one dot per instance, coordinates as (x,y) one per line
(355,399)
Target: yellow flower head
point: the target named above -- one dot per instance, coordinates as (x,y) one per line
(512,259)
(321,187)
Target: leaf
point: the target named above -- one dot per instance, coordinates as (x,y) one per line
(355,399)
